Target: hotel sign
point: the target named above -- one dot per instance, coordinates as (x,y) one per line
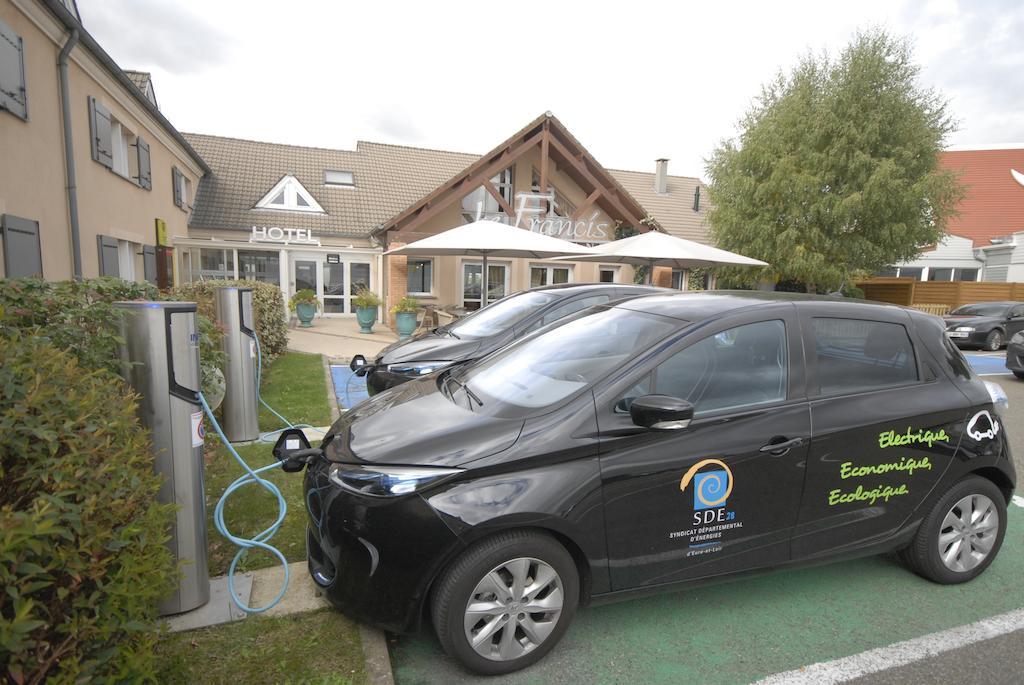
(283,236)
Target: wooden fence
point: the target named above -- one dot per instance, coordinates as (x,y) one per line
(930,295)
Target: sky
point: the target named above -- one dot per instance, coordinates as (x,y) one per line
(633,81)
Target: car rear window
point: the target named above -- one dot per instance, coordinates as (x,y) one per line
(855,355)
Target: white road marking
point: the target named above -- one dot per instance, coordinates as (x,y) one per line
(1018,500)
(899,654)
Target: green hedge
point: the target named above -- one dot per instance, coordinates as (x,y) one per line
(83,561)
(267,304)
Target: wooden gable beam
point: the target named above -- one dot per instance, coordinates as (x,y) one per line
(450,192)
(497,196)
(589,175)
(586,204)
(544,155)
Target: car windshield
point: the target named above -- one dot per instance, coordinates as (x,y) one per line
(552,365)
(501,315)
(980,310)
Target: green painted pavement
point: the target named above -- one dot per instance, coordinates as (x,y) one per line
(740,631)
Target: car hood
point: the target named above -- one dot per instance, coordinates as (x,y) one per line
(969,320)
(429,347)
(415,424)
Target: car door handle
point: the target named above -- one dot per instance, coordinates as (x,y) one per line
(781,447)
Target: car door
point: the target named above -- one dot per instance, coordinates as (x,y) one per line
(721,494)
(1015,321)
(883,417)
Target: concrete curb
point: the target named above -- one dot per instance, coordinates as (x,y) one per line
(376,656)
(332,399)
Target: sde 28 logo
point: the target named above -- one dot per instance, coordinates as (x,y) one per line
(711,518)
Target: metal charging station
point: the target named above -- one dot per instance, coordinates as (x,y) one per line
(234,312)
(161,363)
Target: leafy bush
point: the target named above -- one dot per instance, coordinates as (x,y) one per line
(83,562)
(71,315)
(365,297)
(406,305)
(267,304)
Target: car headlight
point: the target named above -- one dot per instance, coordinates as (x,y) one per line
(387,481)
(417,368)
(965,329)
(997,394)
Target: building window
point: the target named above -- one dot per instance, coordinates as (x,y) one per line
(549,275)
(472,276)
(608,274)
(340,179)
(940,274)
(480,204)
(290,195)
(116,147)
(181,187)
(420,277)
(212,264)
(22,255)
(563,207)
(965,274)
(13,92)
(679,279)
(260,265)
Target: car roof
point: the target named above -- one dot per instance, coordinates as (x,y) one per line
(700,305)
(1007,303)
(566,289)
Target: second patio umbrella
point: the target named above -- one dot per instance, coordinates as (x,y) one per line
(491,239)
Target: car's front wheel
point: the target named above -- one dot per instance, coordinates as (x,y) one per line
(1019,374)
(994,340)
(961,534)
(506,601)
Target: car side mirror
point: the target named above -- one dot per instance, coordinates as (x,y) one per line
(293,451)
(661,412)
(358,365)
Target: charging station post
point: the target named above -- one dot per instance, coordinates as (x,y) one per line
(160,358)
(240,409)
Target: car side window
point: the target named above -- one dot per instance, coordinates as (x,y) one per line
(855,355)
(1017,312)
(572,307)
(739,367)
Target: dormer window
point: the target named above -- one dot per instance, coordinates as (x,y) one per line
(290,195)
(339,179)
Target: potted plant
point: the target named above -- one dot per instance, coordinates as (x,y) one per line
(305,304)
(366,303)
(405,316)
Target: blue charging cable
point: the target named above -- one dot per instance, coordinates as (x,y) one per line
(271,436)
(260,540)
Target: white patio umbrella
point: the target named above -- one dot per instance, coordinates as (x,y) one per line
(653,249)
(491,239)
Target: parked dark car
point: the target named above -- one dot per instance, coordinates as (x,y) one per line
(987,325)
(1015,354)
(655,442)
(487,329)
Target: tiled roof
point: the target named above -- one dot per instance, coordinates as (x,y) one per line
(994,203)
(674,208)
(139,78)
(388,179)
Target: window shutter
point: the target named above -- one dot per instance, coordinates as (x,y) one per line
(107,248)
(13,94)
(176,186)
(22,256)
(145,178)
(149,263)
(99,125)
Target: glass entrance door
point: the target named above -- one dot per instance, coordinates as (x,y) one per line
(334,278)
(472,276)
(305,276)
(334,286)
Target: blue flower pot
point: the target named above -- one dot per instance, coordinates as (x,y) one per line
(305,312)
(366,316)
(405,322)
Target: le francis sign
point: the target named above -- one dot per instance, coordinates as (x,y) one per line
(283,236)
(531,214)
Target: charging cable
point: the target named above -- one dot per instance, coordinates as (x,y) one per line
(271,436)
(260,540)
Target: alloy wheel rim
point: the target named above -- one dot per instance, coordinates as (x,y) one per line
(513,609)
(997,341)
(968,533)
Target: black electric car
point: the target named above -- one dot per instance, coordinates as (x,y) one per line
(1015,354)
(645,444)
(987,325)
(486,330)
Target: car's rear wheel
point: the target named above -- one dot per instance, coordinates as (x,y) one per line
(994,340)
(506,601)
(961,534)
(1019,374)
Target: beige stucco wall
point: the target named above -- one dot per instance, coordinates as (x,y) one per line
(32,175)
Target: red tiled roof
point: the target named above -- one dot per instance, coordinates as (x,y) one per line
(994,202)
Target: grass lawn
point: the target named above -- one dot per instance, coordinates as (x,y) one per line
(317,647)
(296,387)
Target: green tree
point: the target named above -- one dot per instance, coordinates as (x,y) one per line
(835,173)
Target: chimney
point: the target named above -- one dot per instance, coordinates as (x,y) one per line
(661,176)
